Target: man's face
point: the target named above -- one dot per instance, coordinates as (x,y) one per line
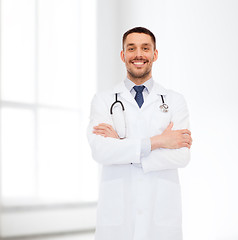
(138,56)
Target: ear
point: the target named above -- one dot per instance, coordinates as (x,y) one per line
(155,55)
(122,56)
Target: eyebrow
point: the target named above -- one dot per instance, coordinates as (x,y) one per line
(143,44)
(130,44)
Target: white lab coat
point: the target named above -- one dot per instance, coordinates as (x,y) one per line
(138,203)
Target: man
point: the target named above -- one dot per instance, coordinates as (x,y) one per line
(140,149)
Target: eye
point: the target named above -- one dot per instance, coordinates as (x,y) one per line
(145,49)
(130,49)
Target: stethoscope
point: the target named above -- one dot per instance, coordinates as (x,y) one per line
(163,107)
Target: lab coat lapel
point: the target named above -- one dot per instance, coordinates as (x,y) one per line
(124,93)
(154,95)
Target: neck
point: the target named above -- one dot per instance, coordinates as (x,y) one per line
(139,81)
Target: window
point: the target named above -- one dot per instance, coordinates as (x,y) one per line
(47,62)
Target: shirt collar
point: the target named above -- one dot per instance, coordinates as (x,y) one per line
(148,84)
(155,88)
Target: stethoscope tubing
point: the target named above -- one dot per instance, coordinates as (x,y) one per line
(116,101)
(164,107)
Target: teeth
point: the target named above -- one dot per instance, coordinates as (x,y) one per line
(138,63)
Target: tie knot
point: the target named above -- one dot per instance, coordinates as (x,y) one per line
(139,89)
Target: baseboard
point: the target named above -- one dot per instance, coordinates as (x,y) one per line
(48,220)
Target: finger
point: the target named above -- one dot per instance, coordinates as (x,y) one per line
(114,132)
(190,141)
(105,124)
(170,126)
(187,137)
(110,129)
(185,131)
(100,127)
(187,145)
(100,134)
(102,131)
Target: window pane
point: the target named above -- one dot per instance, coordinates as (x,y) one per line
(90,174)
(18,50)
(17,132)
(59,54)
(60,167)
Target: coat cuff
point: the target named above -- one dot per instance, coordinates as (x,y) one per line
(144,150)
(145,147)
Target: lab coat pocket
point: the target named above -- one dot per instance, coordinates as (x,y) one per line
(110,205)
(168,204)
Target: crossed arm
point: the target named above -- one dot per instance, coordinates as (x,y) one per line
(170,139)
(169,150)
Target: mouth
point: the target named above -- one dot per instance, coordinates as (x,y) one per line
(139,63)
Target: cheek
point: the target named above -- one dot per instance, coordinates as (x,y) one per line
(151,57)
(128,62)
(129,57)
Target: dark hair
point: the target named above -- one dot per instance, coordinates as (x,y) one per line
(139,30)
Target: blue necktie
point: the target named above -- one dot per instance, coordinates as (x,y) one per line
(139,97)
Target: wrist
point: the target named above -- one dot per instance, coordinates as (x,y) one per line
(156,142)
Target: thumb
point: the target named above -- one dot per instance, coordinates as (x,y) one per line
(170,126)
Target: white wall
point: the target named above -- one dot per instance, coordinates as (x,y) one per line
(198,56)
(48,59)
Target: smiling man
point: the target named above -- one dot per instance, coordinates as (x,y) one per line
(139,52)
(138,132)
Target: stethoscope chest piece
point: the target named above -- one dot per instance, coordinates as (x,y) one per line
(164,107)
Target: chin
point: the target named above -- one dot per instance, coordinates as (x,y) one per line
(139,75)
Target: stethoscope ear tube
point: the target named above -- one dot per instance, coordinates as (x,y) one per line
(118,119)
(116,101)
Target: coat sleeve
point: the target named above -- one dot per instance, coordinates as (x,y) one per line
(106,150)
(162,158)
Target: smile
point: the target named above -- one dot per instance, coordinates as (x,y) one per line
(139,63)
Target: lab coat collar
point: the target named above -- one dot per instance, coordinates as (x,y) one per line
(124,93)
(119,88)
(154,95)
(157,90)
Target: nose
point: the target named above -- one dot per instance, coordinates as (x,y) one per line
(139,52)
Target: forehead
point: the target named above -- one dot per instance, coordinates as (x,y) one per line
(138,39)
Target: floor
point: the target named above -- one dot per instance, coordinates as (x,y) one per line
(74,236)
(69,237)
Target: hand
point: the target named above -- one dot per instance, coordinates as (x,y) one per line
(172,139)
(105,130)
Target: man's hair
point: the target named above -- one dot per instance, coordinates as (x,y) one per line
(139,30)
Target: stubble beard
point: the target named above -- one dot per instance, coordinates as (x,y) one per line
(139,76)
